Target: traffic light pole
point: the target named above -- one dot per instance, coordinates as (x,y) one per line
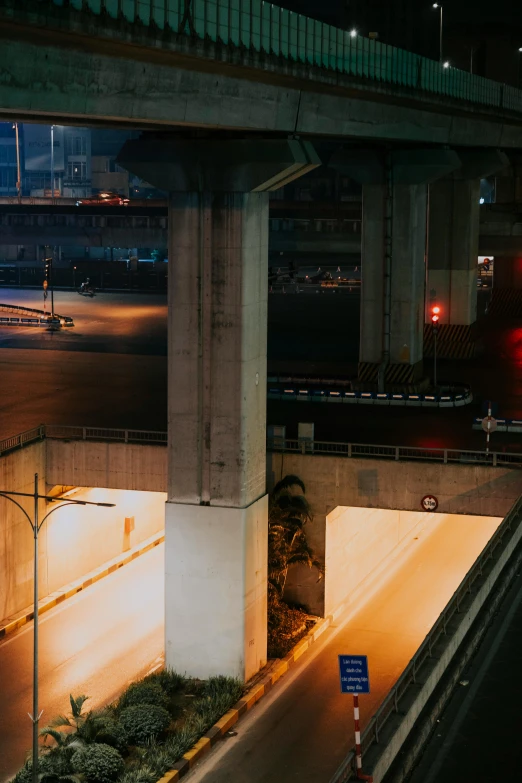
(435,327)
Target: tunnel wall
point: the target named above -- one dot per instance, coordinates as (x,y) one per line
(16,538)
(83,463)
(82,538)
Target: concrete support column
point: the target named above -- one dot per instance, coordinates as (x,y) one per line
(454,213)
(217,510)
(453,247)
(401,322)
(393,257)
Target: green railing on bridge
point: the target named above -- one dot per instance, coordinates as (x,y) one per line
(263,27)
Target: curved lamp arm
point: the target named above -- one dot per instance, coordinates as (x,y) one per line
(22,509)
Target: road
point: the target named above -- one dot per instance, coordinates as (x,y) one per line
(95,643)
(303,729)
(478,736)
(111,370)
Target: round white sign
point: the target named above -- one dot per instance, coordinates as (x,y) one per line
(429,503)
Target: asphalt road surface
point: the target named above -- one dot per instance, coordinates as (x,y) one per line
(95,643)
(303,729)
(111,370)
(478,736)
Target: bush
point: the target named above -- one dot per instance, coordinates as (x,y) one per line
(224,686)
(285,626)
(141,774)
(143,692)
(99,763)
(169,681)
(53,765)
(143,722)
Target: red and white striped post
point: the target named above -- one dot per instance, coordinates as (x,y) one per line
(358,749)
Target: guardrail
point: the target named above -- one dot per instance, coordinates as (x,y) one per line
(397,453)
(347,396)
(23,439)
(391,704)
(31,316)
(257,26)
(502,425)
(278,444)
(104,433)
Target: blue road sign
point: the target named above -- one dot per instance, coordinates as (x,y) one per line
(353,670)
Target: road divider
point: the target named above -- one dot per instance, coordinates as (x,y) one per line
(503,425)
(261,684)
(454,399)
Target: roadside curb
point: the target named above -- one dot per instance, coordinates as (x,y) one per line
(11,624)
(254,694)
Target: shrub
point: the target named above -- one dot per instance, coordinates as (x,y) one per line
(53,765)
(141,774)
(224,686)
(143,692)
(169,681)
(99,763)
(143,722)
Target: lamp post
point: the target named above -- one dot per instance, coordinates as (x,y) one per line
(18,173)
(36,526)
(438,5)
(52,162)
(435,328)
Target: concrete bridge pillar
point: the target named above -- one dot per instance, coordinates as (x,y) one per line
(217,510)
(395,188)
(454,212)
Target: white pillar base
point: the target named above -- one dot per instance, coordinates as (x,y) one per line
(215,589)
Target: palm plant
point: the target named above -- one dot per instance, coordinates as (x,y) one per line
(289,511)
(80,728)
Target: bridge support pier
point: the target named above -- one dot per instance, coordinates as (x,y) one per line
(217,508)
(454,216)
(395,187)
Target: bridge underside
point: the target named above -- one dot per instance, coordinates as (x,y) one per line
(95,80)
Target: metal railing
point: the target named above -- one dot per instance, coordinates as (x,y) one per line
(278,445)
(260,27)
(397,453)
(105,433)
(390,705)
(23,439)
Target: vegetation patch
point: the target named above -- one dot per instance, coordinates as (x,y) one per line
(138,738)
(289,512)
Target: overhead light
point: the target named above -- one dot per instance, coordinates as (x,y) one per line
(353,33)
(446,64)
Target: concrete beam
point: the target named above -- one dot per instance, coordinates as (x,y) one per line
(239,166)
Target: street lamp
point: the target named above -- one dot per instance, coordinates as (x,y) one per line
(353,33)
(36,526)
(52,162)
(18,175)
(438,5)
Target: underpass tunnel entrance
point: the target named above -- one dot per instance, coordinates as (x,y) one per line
(79,539)
(390,574)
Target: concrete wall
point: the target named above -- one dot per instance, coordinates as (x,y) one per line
(81,538)
(338,481)
(112,465)
(16,538)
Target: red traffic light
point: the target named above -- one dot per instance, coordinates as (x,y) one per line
(434,320)
(435,310)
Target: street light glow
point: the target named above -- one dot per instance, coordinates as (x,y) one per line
(353,33)
(435,5)
(446,64)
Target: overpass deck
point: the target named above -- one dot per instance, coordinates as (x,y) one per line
(238,65)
